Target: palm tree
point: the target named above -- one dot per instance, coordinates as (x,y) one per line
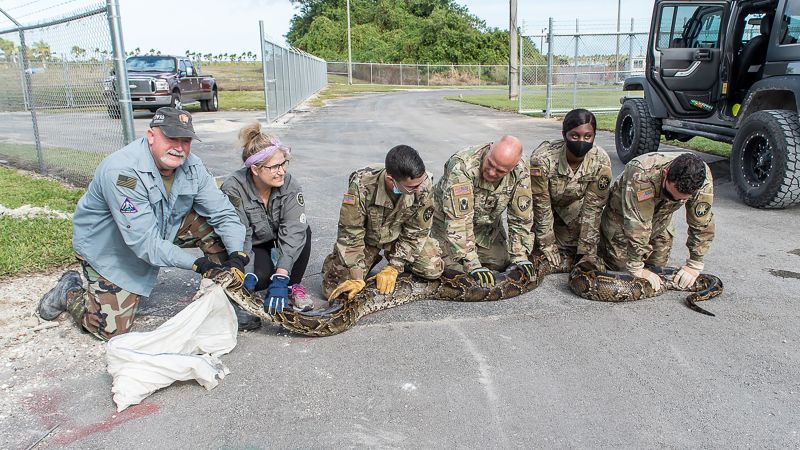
(41,50)
(77,52)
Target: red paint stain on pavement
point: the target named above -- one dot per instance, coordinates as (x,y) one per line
(132,413)
(46,406)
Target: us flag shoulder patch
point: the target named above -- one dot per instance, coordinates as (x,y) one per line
(349,199)
(460,189)
(645,194)
(126,182)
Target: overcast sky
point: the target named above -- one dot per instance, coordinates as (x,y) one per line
(232,26)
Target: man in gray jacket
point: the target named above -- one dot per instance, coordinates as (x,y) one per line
(145,202)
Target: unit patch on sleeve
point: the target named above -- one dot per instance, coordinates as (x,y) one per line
(463,205)
(300,200)
(428,214)
(701,209)
(128,207)
(603,182)
(126,182)
(523,203)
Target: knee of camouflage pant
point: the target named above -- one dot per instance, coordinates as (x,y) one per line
(662,247)
(196,232)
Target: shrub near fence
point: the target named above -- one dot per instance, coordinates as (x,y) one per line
(423,74)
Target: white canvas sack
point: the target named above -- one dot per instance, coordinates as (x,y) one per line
(186,347)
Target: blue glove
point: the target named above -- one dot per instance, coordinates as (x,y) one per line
(250,281)
(277,294)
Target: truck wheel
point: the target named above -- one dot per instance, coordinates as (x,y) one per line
(765,159)
(176,100)
(637,132)
(213,104)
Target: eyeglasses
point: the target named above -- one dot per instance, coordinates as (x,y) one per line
(274,168)
(410,190)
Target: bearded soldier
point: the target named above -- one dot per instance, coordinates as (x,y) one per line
(569,181)
(385,209)
(478,185)
(636,225)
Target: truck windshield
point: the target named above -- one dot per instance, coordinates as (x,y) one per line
(150,64)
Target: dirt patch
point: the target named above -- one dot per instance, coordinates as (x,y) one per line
(36,354)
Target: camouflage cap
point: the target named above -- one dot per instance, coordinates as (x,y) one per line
(174,123)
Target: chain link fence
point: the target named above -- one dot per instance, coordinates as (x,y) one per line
(53,87)
(563,71)
(422,74)
(290,76)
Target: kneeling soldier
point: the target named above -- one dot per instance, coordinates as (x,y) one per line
(385,209)
(636,225)
(478,185)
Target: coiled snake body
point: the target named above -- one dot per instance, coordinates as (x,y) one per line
(454,286)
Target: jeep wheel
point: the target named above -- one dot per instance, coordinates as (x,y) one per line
(637,132)
(176,100)
(765,159)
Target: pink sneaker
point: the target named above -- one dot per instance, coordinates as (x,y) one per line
(300,299)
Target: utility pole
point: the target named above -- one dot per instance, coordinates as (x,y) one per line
(513,52)
(616,55)
(350,48)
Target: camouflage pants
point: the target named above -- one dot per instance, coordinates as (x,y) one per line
(494,257)
(427,265)
(613,248)
(106,310)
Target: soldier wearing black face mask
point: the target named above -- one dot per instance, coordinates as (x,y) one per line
(569,182)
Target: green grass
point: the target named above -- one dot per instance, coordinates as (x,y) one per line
(29,245)
(17,189)
(604,121)
(74,165)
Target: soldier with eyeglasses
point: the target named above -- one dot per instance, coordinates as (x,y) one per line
(387,208)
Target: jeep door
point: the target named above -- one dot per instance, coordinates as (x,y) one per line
(685,54)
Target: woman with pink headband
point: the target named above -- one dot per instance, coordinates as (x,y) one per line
(271,206)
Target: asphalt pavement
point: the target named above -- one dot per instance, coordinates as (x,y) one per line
(543,370)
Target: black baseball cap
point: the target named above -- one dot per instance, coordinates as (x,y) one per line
(174,123)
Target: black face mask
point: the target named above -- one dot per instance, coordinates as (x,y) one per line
(579,148)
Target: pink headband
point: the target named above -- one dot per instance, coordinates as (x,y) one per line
(266,153)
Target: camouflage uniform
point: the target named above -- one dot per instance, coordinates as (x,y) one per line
(567,204)
(371,221)
(467,218)
(636,225)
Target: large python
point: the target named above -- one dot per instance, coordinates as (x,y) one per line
(341,315)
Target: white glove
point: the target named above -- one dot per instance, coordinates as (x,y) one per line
(688,274)
(653,279)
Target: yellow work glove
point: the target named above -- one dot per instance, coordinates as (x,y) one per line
(385,280)
(553,254)
(688,274)
(351,287)
(652,278)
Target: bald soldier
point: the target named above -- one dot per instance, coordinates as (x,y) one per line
(385,209)
(636,225)
(478,185)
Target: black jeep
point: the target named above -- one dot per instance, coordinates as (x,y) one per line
(727,70)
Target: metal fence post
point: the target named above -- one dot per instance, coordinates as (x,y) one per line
(549,89)
(118,52)
(67,83)
(23,48)
(429,74)
(521,78)
(264,68)
(401,74)
(630,50)
(575,68)
(370,74)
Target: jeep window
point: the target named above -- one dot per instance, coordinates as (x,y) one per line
(150,64)
(790,25)
(689,26)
